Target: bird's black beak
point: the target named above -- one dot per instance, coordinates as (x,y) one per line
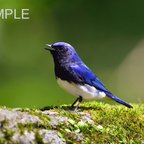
(49,47)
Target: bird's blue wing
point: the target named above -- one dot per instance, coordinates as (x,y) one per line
(84,75)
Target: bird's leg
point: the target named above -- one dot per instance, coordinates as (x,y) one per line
(75,102)
(79,99)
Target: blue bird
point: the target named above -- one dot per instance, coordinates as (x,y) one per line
(75,77)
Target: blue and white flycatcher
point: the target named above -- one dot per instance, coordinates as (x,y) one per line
(75,77)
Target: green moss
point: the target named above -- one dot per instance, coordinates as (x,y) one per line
(112,124)
(92,123)
(38,138)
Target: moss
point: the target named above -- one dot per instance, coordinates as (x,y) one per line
(92,123)
(8,134)
(38,138)
(115,124)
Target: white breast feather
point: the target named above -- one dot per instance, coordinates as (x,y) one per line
(86,91)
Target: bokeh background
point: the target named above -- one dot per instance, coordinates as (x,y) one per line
(108,35)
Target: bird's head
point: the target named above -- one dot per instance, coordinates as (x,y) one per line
(63,52)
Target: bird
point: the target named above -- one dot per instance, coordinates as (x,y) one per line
(75,77)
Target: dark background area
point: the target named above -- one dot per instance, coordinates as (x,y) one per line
(108,35)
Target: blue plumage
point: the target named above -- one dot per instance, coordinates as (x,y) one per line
(88,77)
(74,76)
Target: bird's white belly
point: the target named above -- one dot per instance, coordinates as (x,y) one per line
(86,91)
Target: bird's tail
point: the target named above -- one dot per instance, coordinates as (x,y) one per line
(118,100)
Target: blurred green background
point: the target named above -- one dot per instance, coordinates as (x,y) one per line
(108,35)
